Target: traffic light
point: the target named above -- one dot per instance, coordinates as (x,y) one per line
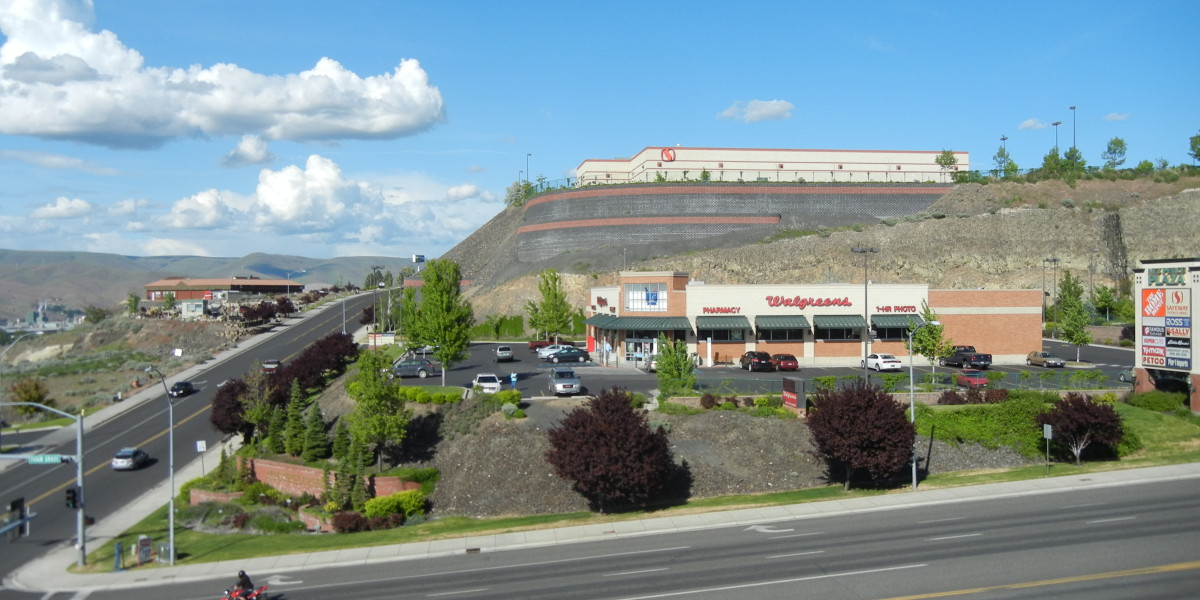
(72,497)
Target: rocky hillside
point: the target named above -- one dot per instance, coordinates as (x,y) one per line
(992,236)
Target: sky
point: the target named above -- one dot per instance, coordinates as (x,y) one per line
(391,128)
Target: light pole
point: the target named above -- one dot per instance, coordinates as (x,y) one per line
(527,155)
(1056,124)
(1003,138)
(865,251)
(1072,126)
(289,278)
(1052,261)
(170,466)
(1055,262)
(1091,279)
(912,394)
(374,302)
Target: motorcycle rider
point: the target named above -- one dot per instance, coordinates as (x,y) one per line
(243,587)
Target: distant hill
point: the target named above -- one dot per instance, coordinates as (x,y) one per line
(71,281)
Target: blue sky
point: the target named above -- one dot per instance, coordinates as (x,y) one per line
(324,129)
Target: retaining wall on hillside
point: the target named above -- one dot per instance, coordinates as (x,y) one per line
(618,215)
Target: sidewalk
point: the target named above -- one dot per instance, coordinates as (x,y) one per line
(48,573)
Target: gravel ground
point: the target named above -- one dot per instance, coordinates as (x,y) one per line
(500,470)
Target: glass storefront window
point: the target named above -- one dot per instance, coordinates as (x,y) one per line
(646,297)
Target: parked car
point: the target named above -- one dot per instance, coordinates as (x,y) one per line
(652,366)
(270,365)
(545,351)
(181,389)
(502,354)
(130,459)
(1126,375)
(882,362)
(756,361)
(415,367)
(972,378)
(564,381)
(784,362)
(1044,359)
(488,381)
(569,354)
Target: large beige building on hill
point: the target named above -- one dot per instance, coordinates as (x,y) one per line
(771,165)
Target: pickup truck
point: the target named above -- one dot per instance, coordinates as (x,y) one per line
(967,358)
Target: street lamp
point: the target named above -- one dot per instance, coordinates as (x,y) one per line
(170,466)
(1072,126)
(865,251)
(1052,261)
(1056,124)
(527,155)
(289,278)
(1003,138)
(912,394)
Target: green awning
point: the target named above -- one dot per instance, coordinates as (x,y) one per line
(839,322)
(892,321)
(723,322)
(648,323)
(781,322)
(599,320)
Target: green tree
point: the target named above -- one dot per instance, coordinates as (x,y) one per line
(379,417)
(515,194)
(946,161)
(1052,163)
(29,389)
(443,318)
(1001,159)
(276,431)
(1073,316)
(1073,161)
(94,314)
(169,301)
(1105,300)
(132,302)
(676,370)
(553,314)
(1194,148)
(1114,154)
(293,436)
(316,441)
(930,341)
(341,440)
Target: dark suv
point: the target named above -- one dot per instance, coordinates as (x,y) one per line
(757,361)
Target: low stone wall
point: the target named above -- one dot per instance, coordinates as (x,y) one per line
(295,480)
(199,496)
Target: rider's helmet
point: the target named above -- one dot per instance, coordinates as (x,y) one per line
(241,574)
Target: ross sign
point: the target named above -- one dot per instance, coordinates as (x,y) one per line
(46,459)
(799,302)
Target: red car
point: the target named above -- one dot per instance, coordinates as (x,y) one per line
(972,378)
(784,362)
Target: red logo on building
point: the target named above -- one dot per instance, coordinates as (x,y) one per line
(668,154)
(721,310)
(799,302)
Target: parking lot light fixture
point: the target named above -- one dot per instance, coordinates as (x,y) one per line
(912,393)
(865,251)
(170,466)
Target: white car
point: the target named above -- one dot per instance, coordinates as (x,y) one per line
(882,362)
(546,351)
(488,381)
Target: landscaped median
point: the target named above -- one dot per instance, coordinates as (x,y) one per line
(1166,437)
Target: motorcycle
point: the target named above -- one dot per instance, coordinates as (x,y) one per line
(259,594)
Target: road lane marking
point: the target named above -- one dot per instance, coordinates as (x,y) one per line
(744,586)
(795,535)
(941,520)
(1156,570)
(623,573)
(1088,505)
(953,537)
(797,554)
(1112,520)
(456,593)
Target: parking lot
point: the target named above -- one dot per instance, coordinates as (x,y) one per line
(532,372)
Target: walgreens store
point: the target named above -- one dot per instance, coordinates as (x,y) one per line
(820,324)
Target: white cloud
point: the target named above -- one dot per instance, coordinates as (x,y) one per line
(63,208)
(251,150)
(205,210)
(758,110)
(173,247)
(104,94)
(1032,124)
(54,161)
(1116,117)
(128,207)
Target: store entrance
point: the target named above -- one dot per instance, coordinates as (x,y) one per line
(639,350)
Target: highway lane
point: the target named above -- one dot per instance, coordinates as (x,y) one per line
(143,424)
(1118,542)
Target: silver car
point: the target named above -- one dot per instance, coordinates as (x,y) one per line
(130,459)
(502,354)
(564,381)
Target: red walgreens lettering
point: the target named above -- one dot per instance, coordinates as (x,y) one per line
(799,302)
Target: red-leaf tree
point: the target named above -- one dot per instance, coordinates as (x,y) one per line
(861,428)
(610,453)
(1078,423)
(227,412)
